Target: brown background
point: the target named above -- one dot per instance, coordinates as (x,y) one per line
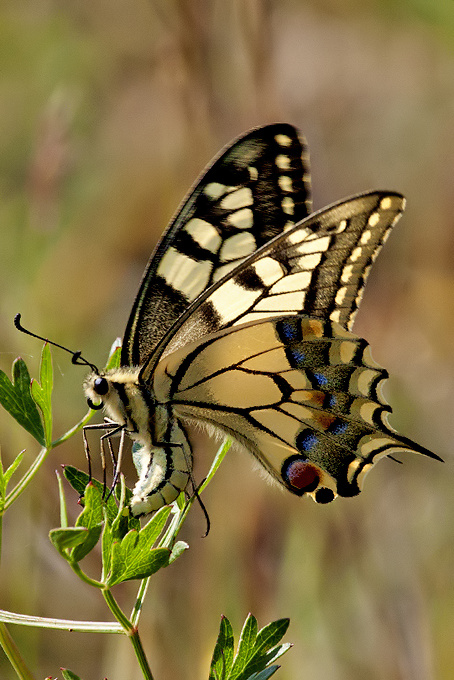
(108,112)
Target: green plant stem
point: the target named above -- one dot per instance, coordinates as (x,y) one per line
(28,476)
(131,632)
(78,426)
(61,624)
(140,654)
(135,614)
(40,458)
(13,654)
(86,579)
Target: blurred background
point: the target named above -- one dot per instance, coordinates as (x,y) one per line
(108,113)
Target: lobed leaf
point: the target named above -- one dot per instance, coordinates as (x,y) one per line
(17,399)
(67,537)
(223,653)
(42,393)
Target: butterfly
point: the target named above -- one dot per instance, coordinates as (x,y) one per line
(242,324)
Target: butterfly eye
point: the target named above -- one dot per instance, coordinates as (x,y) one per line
(101,386)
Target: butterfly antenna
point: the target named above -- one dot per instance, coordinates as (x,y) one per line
(77,359)
(202,505)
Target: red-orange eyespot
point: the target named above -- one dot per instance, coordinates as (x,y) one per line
(300,475)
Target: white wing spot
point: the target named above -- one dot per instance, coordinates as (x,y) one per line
(241,219)
(386,203)
(340,295)
(268,270)
(314,245)
(298,281)
(253,173)
(285,302)
(365,237)
(283,162)
(356,254)
(288,225)
(237,199)
(288,206)
(347,273)
(285,183)
(204,234)
(183,273)
(283,140)
(341,226)
(238,246)
(374,219)
(308,262)
(335,316)
(231,299)
(222,271)
(214,190)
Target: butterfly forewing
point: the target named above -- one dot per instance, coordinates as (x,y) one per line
(255,189)
(301,394)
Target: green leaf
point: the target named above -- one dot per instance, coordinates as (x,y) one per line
(221,662)
(245,646)
(92,514)
(66,538)
(134,557)
(79,481)
(107,548)
(271,634)
(178,549)
(42,393)
(69,675)
(5,475)
(219,457)
(131,561)
(261,661)
(256,651)
(91,518)
(264,650)
(92,537)
(114,356)
(265,674)
(16,398)
(76,478)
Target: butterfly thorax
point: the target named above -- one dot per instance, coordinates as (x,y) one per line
(124,399)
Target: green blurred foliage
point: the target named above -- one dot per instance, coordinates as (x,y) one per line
(108,111)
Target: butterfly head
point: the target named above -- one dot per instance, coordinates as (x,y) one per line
(119,393)
(97,389)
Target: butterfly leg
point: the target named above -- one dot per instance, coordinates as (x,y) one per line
(112,429)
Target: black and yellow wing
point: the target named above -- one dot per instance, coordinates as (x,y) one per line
(254,190)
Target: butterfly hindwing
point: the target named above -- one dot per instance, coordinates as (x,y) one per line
(303,395)
(257,187)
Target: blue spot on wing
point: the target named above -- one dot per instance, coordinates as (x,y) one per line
(306,440)
(296,357)
(289,329)
(338,427)
(321,379)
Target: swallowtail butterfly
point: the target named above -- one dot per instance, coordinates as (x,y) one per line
(242,323)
